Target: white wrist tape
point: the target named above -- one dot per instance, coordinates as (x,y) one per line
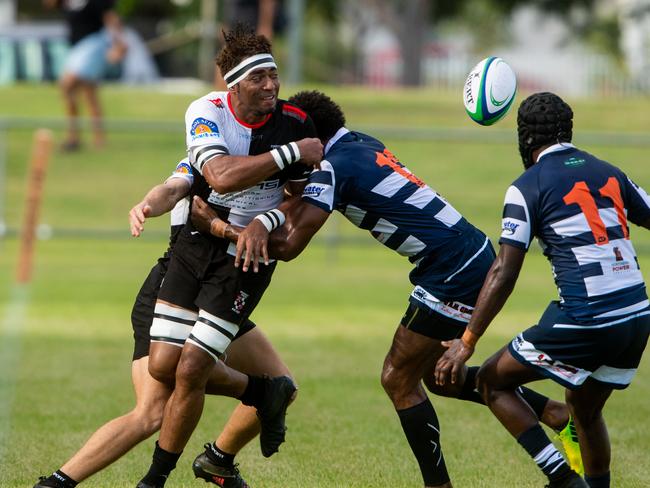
(271,219)
(285,155)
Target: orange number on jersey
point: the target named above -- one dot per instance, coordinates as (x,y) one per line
(388,159)
(581,196)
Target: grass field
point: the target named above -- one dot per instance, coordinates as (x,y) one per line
(66,340)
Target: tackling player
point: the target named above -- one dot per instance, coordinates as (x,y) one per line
(245,146)
(592,339)
(363,180)
(117,437)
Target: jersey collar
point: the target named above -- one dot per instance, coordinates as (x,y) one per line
(560,146)
(335,138)
(250,126)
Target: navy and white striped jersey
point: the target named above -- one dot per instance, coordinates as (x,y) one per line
(365,182)
(579,207)
(212,128)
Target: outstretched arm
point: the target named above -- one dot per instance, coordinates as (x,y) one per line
(254,242)
(498,286)
(159,200)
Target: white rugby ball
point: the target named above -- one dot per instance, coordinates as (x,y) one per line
(489,90)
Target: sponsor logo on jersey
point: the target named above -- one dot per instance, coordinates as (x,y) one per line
(313,190)
(240,302)
(217,102)
(510,227)
(269,185)
(621,265)
(183,168)
(574,162)
(203,128)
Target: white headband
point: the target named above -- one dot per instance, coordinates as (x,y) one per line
(247,65)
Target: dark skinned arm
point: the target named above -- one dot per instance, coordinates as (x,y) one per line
(498,286)
(254,241)
(227,173)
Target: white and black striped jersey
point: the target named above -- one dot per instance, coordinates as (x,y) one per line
(212,129)
(579,207)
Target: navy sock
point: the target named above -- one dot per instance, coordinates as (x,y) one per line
(547,457)
(422,430)
(254,391)
(468,392)
(537,401)
(162,464)
(219,457)
(601,481)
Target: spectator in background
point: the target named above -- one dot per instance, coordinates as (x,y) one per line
(96,39)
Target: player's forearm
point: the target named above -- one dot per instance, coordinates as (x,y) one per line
(162,198)
(498,286)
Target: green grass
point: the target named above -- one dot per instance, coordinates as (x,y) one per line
(331,313)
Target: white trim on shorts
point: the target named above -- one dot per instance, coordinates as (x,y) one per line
(568,373)
(452,310)
(212,334)
(171,325)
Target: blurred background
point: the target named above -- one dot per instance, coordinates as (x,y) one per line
(397,68)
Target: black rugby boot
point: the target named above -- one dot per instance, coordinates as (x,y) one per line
(226,477)
(272,411)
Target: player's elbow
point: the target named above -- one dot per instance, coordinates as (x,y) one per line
(285,251)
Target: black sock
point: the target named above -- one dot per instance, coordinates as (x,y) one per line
(601,481)
(547,457)
(254,391)
(468,391)
(162,464)
(219,457)
(422,430)
(537,401)
(59,479)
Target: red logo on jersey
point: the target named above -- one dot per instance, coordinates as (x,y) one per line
(217,102)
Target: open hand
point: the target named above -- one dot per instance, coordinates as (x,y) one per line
(137,216)
(252,244)
(450,365)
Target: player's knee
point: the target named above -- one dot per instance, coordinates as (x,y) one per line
(190,373)
(585,413)
(162,372)
(393,380)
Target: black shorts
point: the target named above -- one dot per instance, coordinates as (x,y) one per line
(143,308)
(569,352)
(443,322)
(202,275)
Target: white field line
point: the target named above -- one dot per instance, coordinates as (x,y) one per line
(11,332)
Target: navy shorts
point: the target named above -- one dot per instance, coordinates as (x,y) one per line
(569,352)
(442,303)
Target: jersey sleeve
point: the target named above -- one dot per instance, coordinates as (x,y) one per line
(202,133)
(321,188)
(517,227)
(183,171)
(638,202)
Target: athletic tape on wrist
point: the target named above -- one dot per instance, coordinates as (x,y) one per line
(271,219)
(285,155)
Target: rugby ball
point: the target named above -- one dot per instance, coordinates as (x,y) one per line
(489,91)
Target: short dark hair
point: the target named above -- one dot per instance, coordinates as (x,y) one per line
(240,43)
(326,114)
(543,118)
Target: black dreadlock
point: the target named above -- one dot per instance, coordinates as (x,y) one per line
(543,118)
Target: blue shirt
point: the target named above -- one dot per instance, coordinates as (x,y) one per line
(365,182)
(579,207)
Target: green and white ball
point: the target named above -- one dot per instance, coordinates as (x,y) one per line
(489,91)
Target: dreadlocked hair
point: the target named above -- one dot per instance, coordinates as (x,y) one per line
(324,112)
(240,43)
(543,118)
